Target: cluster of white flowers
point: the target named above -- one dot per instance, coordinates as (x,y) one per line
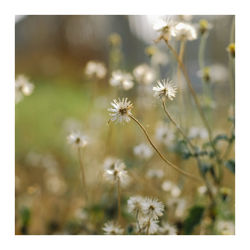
(95,69)
(121,79)
(112,228)
(121,110)
(144,74)
(165,89)
(147,212)
(179,30)
(116,172)
(143,151)
(77,139)
(22,88)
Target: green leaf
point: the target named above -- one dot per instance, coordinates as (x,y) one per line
(193,219)
(230,164)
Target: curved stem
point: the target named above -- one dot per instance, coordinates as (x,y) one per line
(83,174)
(204,120)
(160,154)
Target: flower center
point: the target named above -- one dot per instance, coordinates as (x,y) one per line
(123,111)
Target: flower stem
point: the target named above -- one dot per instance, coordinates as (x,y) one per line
(160,154)
(119,199)
(83,174)
(204,120)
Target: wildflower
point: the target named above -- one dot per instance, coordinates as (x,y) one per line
(148,225)
(121,79)
(225,227)
(165,27)
(152,208)
(112,228)
(117,173)
(164,134)
(77,139)
(55,184)
(135,204)
(143,151)
(184,31)
(165,89)
(95,69)
(204,26)
(168,229)
(144,74)
(22,87)
(155,173)
(167,186)
(109,163)
(121,110)
(175,191)
(231,49)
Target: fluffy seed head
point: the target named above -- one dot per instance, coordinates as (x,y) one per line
(135,204)
(112,228)
(152,208)
(77,139)
(165,89)
(184,31)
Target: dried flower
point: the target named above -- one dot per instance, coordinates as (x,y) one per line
(22,87)
(165,89)
(184,31)
(135,204)
(112,228)
(95,69)
(143,151)
(148,225)
(116,173)
(121,110)
(152,208)
(77,139)
(121,79)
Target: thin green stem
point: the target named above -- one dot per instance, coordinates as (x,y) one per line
(83,174)
(160,154)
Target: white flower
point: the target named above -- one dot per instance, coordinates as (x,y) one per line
(109,163)
(225,227)
(121,79)
(164,134)
(152,208)
(155,173)
(116,173)
(144,74)
(77,139)
(95,69)
(121,110)
(202,190)
(22,87)
(168,229)
(175,191)
(135,204)
(167,186)
(143,151)
(165,26)
(148,225)
(184,31)
(165,89)
(112,228)
(185,18)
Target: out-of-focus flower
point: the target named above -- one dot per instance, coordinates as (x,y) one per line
(109,163)
(112,228)
(144,74)
(225,227)
(164,134)
(95,69)
(121,110)
(202,190)
(204,26)
(168,229)
(167,186)
(179,206)
(152,208)
(165,89)
(165,27)
(22,87)
(175,191)
(117,173)
(185,18)
(184,31)
(55,184)
(148,225)
(155,173)
(135,204)
(231,49)
(198,133)
(143,151)
(121,79)
(77,139)
(80,214)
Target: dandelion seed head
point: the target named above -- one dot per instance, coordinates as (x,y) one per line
(121,110)
(184,31)
(135,204)
(152,208)
(165,89)
(77,139)
(165,27)
(148,225)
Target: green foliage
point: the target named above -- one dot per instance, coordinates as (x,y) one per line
(193,219)
(230,164)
